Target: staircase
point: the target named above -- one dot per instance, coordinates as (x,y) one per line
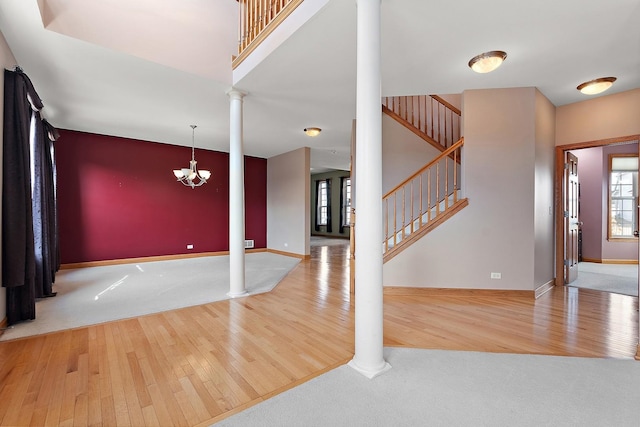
(432,194)
(428,116)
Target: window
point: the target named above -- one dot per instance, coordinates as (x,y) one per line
(346,202)
(623,196)
(322,213)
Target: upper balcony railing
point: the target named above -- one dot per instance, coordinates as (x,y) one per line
(258,18)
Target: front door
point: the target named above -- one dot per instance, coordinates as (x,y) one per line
(571,223)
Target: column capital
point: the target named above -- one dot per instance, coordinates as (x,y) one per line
(234,93)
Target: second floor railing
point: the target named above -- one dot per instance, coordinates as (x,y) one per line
(258,18)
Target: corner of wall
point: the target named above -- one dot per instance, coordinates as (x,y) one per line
(288,182)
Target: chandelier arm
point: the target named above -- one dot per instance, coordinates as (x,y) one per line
(191,177)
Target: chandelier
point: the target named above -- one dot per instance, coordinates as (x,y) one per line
(190,176)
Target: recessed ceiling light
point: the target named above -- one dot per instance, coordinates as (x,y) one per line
(488,61)
(312,131)
(593,87)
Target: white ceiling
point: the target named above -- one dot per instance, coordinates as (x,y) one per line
(147,69)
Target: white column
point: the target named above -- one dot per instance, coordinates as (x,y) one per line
(368,358)
(236,197)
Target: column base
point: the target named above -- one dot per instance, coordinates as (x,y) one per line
(237,295)
(371,374)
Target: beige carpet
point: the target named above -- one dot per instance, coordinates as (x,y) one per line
(88,296)
(614,278)
(461,388)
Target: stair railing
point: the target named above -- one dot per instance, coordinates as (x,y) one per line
(423,199)
(429,114)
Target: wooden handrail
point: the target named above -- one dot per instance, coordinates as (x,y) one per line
(445,153)
(257,19)
(447,104)
(406,213)
(428,116)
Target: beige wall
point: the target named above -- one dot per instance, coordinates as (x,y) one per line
(508,153)
(403,153)
(599,118)
(8,61)
(288,215)
(545,126)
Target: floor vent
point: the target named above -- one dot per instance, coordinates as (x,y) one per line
(248,244)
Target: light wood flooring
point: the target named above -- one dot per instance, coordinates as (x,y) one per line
(197,365)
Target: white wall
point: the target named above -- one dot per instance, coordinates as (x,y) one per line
(7,61)
(288,207)
(506,156)
(545,127)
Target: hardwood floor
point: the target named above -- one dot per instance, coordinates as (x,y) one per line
(196,365)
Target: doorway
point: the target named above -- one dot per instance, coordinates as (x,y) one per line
(603,260)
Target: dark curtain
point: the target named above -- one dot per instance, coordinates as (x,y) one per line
(51,136)
(341,205)
(43,206)
(329,229)
(22,131)
(316,225)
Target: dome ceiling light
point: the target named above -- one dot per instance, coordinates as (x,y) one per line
(596,86)
(312,131)
(488,61)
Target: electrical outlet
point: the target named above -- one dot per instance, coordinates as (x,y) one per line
(496,275)
(189,246)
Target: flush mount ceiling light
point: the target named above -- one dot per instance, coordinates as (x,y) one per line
(312,131)
(190,176)
(488,61)
(593,87)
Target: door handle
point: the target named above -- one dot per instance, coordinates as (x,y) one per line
(636,234)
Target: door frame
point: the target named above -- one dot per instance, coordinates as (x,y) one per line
(559,196)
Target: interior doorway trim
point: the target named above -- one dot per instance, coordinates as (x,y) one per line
(558,199)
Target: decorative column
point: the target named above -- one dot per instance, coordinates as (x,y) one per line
(236,197)
(368,358)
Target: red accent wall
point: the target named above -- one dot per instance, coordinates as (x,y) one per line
(118,198)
